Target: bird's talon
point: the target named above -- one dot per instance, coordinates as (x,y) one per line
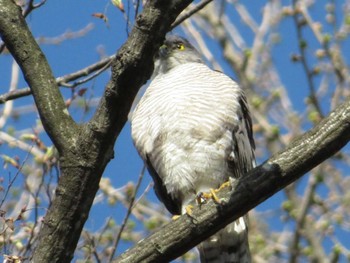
(214,196)
(201,199)
(226,184)
(207,196)
(175,217)
(188,209)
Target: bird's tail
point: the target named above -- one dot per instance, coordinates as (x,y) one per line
(229,245)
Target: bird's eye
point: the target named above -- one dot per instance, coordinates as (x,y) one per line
(180,46)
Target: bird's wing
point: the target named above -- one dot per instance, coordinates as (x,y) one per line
(242,159)
(170,202)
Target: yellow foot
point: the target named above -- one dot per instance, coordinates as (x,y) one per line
(175,217)
(188,209)
(203,197)
(226,184)
(214,196)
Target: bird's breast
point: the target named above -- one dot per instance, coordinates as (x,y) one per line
(184,124)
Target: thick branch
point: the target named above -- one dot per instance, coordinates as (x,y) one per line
(133,65)
(305,153)
(98,66)
(83,164)
(37,72)
(91,71)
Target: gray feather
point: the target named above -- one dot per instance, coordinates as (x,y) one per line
(193,129)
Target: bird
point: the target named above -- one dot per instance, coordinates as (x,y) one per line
(193,129)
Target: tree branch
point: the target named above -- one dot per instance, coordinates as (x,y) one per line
(194,9)
(84,152)
(303,154)
(302,45)
(83,160)
(95,68)
(132,67)
(18,39)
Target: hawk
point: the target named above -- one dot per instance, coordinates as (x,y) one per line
(193,129)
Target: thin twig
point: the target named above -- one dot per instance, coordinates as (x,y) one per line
(194,9)
(12,141)
(93,245)
(246,17)
(90,77)
(98,66)
(309,73)
(131,205)
(300,221)
(13,179)
(35,196)
(30,7)
(103,230)
(336,60)
(148,188)
(7,110)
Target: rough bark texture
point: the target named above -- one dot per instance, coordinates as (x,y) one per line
(315,146)
(84,150)
(37,72)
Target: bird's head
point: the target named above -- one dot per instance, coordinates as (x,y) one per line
(175,51)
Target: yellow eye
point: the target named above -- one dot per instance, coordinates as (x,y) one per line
(180,46)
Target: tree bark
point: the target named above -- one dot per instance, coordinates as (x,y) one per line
(51,107)
(84,150)
(303,154)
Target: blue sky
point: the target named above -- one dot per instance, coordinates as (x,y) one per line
(58,17)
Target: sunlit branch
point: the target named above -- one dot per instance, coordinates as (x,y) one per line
(7,110)
(302,45)
(128,213)
(302,210)
(97,67)
(304,153)
(191,11)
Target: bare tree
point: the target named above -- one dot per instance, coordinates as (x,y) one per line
(82,151)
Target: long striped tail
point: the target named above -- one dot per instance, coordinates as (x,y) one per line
(229,245)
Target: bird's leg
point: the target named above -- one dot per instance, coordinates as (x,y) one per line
(226,184)
(214,196)
(188,211)
(203,197)
(175,217)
